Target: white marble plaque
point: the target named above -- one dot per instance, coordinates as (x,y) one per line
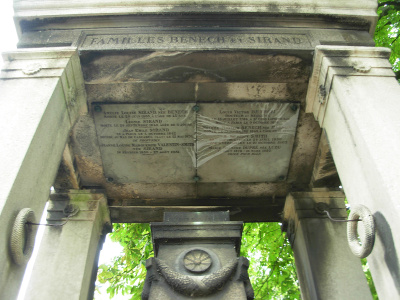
(148,143)
(183,143)
(245,142)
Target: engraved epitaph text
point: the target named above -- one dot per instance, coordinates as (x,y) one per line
(146,142)
(245,142)
(218,142)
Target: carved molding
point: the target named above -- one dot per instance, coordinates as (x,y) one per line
(195,286)
(60,8)
(332,61)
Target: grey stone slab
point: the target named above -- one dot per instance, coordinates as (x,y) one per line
(170,143)
(151,92)
(208,216)
(148,143)
(115,67)
(245,142)
(195,40)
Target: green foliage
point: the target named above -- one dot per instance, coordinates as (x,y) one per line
(272,271)
(127,272)
(387,31)
(367,273)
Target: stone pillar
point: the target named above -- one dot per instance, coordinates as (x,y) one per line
(196,255)
(356,99)
(42,93)
(326,268)
(68,253)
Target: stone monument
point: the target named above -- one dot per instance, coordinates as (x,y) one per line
(196,255)
(181,106)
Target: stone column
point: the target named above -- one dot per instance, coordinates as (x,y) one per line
(326,267)
(356,99)
(42,93)
(67,255)
(196,256)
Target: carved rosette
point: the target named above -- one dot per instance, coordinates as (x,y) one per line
(197,261)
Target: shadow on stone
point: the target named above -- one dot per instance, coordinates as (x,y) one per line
(384,233)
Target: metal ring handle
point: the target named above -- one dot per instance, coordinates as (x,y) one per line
(22,237)
(367,238)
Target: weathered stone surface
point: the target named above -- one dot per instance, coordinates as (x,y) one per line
(263,34)
(320,248)
(67,175)
(340,9)
(195,40)
(38,113)
(360,117)
(72,249)
(324,172)
(196,255)
(207,66)
(173,143)
(147,143)
(245,142)
(254,210)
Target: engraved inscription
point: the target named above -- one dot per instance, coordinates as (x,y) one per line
(216,142)
(249,142)
(196,40)
(146,143)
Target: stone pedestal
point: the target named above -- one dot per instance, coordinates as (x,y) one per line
(196,255)
(42,94)
(326,267)
(66,265)
(355,97)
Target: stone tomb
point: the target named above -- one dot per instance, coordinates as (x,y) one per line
(238,83)
(209,61)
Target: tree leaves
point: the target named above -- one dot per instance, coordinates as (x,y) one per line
(127,272)
(387,31)
(271,271)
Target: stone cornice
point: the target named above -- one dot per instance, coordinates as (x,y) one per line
(26,10)
(58,8)
(57,62)
(331,61)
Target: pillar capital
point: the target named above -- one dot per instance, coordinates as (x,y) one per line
(68,254)
(320,247)
(90,205)
(307,205)
(60,62)
(345,61)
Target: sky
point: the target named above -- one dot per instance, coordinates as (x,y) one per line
(8,39)
(8,42)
